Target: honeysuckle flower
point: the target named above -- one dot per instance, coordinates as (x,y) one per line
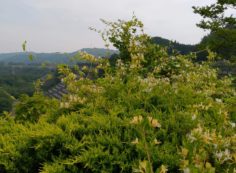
(186,170)
(67,104)
(154,122)
(163,169)
(191,138)
(184,152)
(232,124)
(215,146)
(61,105)
(149,118)
(64,105)
(223,156)
(218,100)
(136,119)
(208,165)
(84,68)
(143,166)
(156,142)
(194,117)
(136,141)
(206,137)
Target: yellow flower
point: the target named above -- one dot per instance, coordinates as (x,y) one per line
(156,142)
(184,163)
(186,170)
(84,68)
(136,119)
(143,166)
(154,122)
(234,156)
(184,152)
(64,105)
(208,165)
(150,119)
(135,141)
(163,169)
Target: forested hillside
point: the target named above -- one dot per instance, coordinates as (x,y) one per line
(6,101)
(17,80)
(174,46)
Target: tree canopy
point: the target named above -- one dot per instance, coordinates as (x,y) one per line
(222,26)
(214,16)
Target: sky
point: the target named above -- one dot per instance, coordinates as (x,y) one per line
(62,25)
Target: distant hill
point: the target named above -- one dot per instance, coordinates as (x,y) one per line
(174,46)
(52,58)
(99,52)
(23,57)
(58,58)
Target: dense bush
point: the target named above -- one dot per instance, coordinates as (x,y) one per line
(171,115)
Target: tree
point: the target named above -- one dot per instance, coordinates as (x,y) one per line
(133,43)
(222,37)
(222,41)
(214,16)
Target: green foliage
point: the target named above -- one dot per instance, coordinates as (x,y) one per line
(174,47)
(5,101)
(17,80)
(31,108)
(222,38)
(214,15)
(222,42)
(131,41)
(24,45)
(171,115)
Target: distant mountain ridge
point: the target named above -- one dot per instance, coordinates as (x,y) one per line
(52,58)
(58,58)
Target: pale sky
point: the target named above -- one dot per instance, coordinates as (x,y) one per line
(62,25)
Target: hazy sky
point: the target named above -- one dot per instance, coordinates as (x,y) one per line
(62,25)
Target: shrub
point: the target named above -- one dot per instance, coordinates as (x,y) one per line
(176,116)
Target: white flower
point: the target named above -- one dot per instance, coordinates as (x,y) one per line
(163,169)
(135,141)
(215,145)
(156,142)
(186,170)
(227,153)
(154,122)
(136,119)
(218,100)
(232,124)
(219,155)
(191,138)
(223,156)
(194,117)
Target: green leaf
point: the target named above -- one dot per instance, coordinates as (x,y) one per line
(24,45)
(31,57)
